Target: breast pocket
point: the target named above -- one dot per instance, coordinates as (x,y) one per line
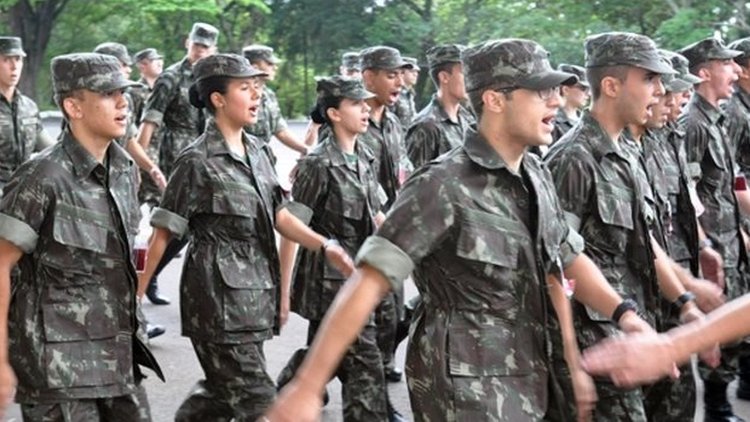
(716,152)
(489,239)
(239,200)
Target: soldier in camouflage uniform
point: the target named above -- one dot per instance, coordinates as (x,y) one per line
(709,148)
(70,216)
(350,65)
(336,191)
(574,99)
(150,65)
(604,197)
(169,114)
(405,109)
(441,125)
(224,196)
(270,121)
(21,129)
(485,235)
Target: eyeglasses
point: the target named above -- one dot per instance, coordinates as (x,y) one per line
(544,94)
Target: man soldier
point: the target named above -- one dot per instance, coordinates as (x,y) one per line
(405,109)
(69,218)
(168,109)
(21,129)
(574,99)
(270,121)
(441,125)
(350,65)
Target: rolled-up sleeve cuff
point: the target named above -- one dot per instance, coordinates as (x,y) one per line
(694,171)
(387,258)
(573,221)
(165,219)
(154,116)
(18,233)
(299,210)
(571,247)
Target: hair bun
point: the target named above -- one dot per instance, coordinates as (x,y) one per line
(195,98)
(317,116)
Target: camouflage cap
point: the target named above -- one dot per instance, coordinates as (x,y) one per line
(257,52)
(114,49)
(350,60)
(226,65)
(92,71)
(203,33)
(341,86)
(684,80)
(413,62)
(624,48)
(706,50)
(511,63)
(381,57)
(445,53)
(147,54)
(11,46)
(742,45)
(579,71)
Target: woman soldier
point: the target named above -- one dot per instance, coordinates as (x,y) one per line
(225,196)
(341,198)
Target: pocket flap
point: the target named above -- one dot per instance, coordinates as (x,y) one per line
(243,267)
(489,238)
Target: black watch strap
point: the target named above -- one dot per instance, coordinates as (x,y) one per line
(329,242)
(624,306)
(683,299)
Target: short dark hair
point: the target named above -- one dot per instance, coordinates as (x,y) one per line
(442,67)
(60,97)
(596,75)
(475,98)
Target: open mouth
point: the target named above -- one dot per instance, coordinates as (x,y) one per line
(123,120)
(254,110)
(549,122)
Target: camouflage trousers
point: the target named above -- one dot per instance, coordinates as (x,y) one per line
(386,321)
(237,386)
(130,408)
(363,387)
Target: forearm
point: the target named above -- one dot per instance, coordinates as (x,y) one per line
(669,282)
(311,134)
(591,287)
(286,138)
(295,230)
(287,254)
(145,133)
(562,308)
(344,320)
(139,155)
(9,256)
(743,199)
(158,243)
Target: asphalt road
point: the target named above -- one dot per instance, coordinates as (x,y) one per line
(181,368)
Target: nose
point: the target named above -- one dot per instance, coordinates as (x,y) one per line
(122,102)
(659,88)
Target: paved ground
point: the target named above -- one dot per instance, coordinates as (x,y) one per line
(181,367)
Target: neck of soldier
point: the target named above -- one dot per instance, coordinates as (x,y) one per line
(570,110)
(376,109)
(744,84)
(150,80)
(95,144)
(7,91)
(345,139)
(231,130)
(449,102)
(606,114)
(708,94)
(637,132)
(493,130)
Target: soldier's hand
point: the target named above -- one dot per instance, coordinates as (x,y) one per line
(340,260)
(708,295)
(710,356)
(283,310)
(712,266)
(294,404)
(7,386)
(632,323)
(585,394)
(158,177)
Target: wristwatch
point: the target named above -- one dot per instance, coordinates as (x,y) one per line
(683,299)
(624,306)
(328,243)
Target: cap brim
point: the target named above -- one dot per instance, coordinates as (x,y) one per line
(361,94)
(249,74)
(117,84)
(690,78)
(273,60)
(203,41)
(14,52)
(657,66)
(548,79)
(728,53)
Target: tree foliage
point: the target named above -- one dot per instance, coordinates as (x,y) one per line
(310,35)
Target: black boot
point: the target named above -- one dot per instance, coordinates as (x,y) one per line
(717,406)
(155,330)
(153,294)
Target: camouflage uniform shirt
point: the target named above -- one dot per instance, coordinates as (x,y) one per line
(169,107)
(434,133)
(270,121)
(72,316)
(339,199)
(563,124)
(707,145)
(227,206)
(480,238)
(21,133)
(385,140)
(405,109)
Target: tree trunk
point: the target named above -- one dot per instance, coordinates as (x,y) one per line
(34,25)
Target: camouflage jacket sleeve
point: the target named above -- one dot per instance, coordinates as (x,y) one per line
(165,88)
(24,207)
(573,182)
(697,140)
(738,130)
(186,193)
(422,143)
(309,187)
(419,219)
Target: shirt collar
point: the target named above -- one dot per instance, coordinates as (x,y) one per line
(713,114)
(600,142)
(84,163)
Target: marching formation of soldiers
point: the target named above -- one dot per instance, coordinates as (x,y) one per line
(539,211)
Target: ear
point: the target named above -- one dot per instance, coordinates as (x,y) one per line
(72,108)
(443,77)
(187,42)
(217,100)
(333,114)
(493,101)
(610,86)
(704,73)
